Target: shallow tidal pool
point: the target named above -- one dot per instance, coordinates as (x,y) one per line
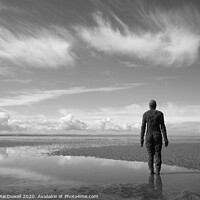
(23,171)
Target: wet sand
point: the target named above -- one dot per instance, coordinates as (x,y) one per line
(184,154)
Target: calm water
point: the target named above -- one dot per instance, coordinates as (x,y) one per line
(24,170)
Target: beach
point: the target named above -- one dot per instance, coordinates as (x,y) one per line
(111,167)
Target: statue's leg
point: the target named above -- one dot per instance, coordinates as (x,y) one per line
(158,159)
(151,152)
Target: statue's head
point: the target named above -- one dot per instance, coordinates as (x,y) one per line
(152,104)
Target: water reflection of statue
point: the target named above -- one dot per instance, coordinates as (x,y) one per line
(155,187)
(151,190)
(3,153)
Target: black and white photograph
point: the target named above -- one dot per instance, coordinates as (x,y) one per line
(100,99)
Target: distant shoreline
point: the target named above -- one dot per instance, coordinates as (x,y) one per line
(90,135)
(70,135)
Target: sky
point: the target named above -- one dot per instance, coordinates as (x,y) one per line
(95,64)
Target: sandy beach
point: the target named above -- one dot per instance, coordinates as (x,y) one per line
(110,167)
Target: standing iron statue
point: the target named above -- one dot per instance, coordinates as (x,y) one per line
(154,120)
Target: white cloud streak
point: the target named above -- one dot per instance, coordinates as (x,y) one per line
(175,43)
(40,49)
(35,96)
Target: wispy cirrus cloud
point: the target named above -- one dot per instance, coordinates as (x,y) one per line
(39,49)
(170,40)
(35,96)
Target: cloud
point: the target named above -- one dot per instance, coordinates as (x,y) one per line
(35,96)
(107,39)
(105,125)
(33,126)
(108,124)
(27,98)
(45,126)
(4,117)
(180,35)
(61,125)
(179,119)
(69,123)
(173,41)
(38,49)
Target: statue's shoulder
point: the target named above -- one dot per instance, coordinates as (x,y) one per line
(159,112)
(147,113)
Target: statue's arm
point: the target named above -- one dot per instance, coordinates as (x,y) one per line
(163,129)
(143,128)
